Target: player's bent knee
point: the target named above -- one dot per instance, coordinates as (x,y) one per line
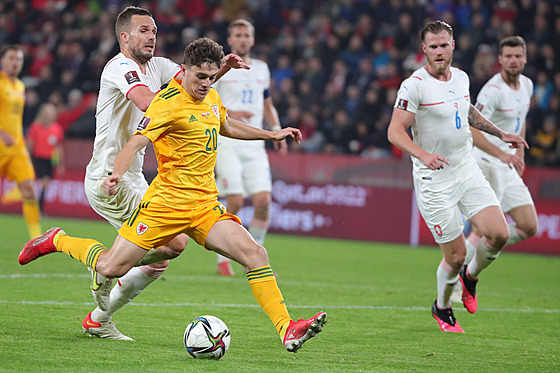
(499,239)
(111,271)
(256,255)
(155,269)
(529,230)
(176,246)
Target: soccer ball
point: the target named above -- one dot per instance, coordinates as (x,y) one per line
(207,337)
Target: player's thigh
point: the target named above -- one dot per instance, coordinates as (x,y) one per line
(514,192)
(525,217)
(256,171)
(437,203)
(230,239)
(479,204)
(19,168)
(118,208)
(229,171)
(122,256)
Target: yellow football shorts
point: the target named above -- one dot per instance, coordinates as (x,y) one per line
(154,225)
(17,167)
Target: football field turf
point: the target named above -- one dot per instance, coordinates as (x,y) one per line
(377,297)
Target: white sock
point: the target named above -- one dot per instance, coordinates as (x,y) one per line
(126,289)
(515,235)
(259,234)
(471,242)
(446,281)
(484,256)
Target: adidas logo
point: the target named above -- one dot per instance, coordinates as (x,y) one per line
(193,119)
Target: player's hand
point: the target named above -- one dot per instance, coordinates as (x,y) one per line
(514,161)
(515,141)
(434,161)
(294,133)
(110,184)
(281,147)
(6,138)
(235,62)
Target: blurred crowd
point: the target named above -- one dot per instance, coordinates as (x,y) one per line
(336,65)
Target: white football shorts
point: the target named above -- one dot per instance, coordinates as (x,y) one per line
(442,203)
(119,207)
(242,170)
(509,187)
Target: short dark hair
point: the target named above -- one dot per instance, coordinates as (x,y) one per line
(9,47)
(203,50)
(241,22)
(512,41)
(435,27)
(124,17)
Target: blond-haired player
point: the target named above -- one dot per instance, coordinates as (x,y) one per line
(242,167)
(435,102)
(15,162)
(183,123)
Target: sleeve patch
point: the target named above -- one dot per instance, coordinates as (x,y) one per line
(143,123)
(132,77)
(402,104)
(479,106)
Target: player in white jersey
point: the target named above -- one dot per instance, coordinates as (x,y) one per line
(435,102)
(242,167)
(505,100)
(129,82)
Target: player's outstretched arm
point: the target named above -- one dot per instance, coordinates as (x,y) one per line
(273,120)
(481,142)
(478,121)
(397,135)
(231,61)
(241,131)
(123,161)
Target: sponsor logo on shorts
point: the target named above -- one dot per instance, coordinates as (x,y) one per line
(402,104)
(438,230)
(204,115)
(144,123)
(132,77)
(192,119)
(141,228)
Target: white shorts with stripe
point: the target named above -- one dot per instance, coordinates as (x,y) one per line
(119,207)
(442,203)
(509,187)
(242,170)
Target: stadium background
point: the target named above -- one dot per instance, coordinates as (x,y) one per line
(336,67)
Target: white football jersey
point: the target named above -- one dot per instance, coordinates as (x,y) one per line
(441,125)
(117,117)
(242,89)
(505,107)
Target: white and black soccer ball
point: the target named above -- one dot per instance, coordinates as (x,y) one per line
(207,337)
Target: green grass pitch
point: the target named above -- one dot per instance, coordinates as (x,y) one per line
(377,297)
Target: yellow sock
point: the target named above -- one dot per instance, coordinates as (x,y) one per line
(83,249)
(32,216)
(268,295)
